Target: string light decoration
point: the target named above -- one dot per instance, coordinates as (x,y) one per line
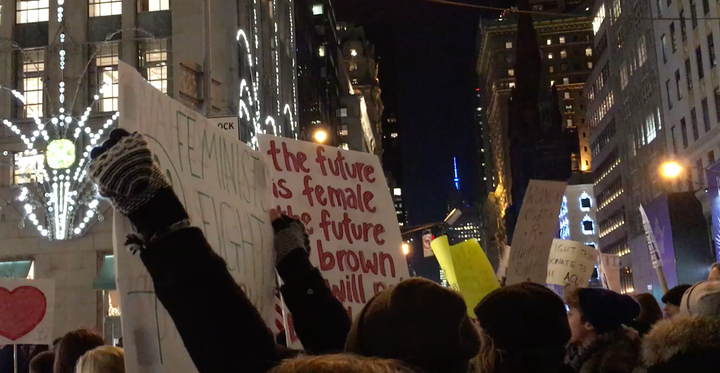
(249,104)
(59,200)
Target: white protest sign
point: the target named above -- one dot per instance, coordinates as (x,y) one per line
(536,228)
(343,199)
(26,311)
(229,124)
(571,262)
(225,189)
(651,242)
(609,270)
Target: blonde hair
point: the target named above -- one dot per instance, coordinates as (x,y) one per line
(486,360)
(104,359)
(341,363)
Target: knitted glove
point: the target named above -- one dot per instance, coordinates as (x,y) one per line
(124,171)
(290,234)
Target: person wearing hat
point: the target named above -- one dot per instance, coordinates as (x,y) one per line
(672,300)
(418,322)
(523,328)
(600,342)
(690,341)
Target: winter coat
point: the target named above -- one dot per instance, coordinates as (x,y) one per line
(613,352)
(221,330)
(683,344)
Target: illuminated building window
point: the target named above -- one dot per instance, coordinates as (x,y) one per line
(28,167)
(344,129)
(511,84)
(585,202)
(552,69)
(588,226)
(549,41)
(566,95)
(590,65)
(508,45)
(153,59)
(566,80)
(317,9)
(588,52)
(599,18)
(99,8)
(106,62)
(397,192)
(550,56)
(33,82)
(344,146)
(511,72)
(321,51)
(153,5)
(353,52)
(562,40)
(353,66)
(563,54)
(32,11)
(394,135)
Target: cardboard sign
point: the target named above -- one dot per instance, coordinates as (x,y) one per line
(535,230)
(504,259)
(651,242)
(467,270)
(342,198)
(26,311)
(225,189)
(610,272)
(571,262)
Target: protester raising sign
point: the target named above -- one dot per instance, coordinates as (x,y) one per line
(224,187)
(343,199)
(610,272)
(571,262)
(467,270)
(26,311)
(536,227)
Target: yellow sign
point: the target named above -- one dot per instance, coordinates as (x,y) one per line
(467,270)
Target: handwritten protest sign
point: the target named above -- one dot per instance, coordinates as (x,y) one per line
(467,270)
(536,227)
(651,242)
(571,262)
(225,189)
(610,272)
(343,199)
(26,311)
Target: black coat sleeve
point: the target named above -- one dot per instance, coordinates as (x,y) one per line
(320,320)
(221,329)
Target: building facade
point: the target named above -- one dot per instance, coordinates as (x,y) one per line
(627,126)
(59,79)
(567,59)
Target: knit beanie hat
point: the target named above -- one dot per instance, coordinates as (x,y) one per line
(418,322)
(523,316)
(702,299)
(674,295)
(607,310)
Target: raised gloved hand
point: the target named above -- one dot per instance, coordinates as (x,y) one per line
(124,172)
(290,235)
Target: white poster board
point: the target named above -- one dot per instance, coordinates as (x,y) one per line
(571,262)
(609,270)
(224,187)
(651,241)
(343,199)
(536,227)
(26,311)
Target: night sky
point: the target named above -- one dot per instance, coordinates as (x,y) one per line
(427,69)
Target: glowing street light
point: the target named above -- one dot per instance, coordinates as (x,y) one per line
(405,248)
(320,135)
(670,169)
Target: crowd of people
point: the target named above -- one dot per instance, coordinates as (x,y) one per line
(416,326)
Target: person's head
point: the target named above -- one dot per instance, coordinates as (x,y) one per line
(418,322)
(522,326)
(650,311)
(72,346)
(593,312)
(104,359)
(341,363)
(672,300)
(702,298)
(43,362)
(714,272)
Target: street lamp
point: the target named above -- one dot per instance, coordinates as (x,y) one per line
(320,135)
(405,248)
(670,169)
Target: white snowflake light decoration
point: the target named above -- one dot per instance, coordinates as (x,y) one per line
(59,200)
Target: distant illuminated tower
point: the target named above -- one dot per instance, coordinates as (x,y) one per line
(456,179)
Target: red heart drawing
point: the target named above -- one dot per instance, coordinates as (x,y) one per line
(21,310)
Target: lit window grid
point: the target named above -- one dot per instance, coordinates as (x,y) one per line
(154,57)
(28,168)
(33,84)
(101,8)
(32,11)
(106,62)
(611,199)
(608,171)
(610,227)
(153,5)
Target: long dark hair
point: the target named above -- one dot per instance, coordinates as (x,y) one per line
(650,311)
(72,346)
